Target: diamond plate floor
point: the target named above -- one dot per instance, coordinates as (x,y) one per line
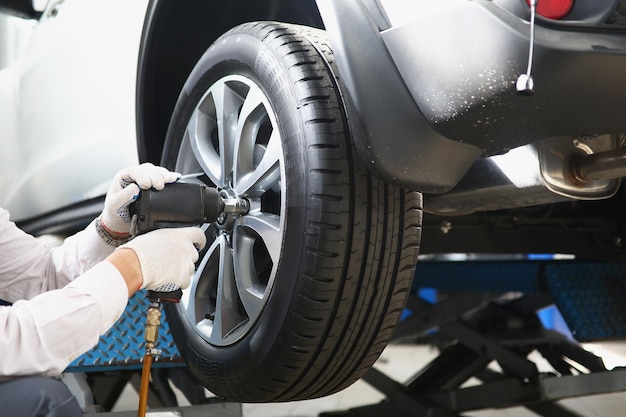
(122,347)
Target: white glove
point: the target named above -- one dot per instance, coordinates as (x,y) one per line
(167,256)
(115,217)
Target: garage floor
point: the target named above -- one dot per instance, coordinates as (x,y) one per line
(400,362)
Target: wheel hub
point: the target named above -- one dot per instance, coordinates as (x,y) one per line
(233,208)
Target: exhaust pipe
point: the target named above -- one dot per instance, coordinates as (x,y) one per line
(599,166)
(550,171)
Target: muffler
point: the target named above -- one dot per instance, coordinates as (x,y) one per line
(550,171)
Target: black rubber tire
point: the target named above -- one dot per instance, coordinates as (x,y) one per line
(351,241)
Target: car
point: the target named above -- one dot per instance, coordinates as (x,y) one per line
(361,132)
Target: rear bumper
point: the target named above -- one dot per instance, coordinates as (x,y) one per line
(461,65)
(426,98)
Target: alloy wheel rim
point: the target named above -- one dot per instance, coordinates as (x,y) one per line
(232,142)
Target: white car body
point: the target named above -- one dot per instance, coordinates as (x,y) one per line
(67,102)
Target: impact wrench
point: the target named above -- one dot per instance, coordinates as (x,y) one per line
(179,204)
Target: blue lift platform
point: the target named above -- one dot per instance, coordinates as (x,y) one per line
(487,311)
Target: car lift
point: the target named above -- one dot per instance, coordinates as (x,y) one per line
(497,321)
(485,312)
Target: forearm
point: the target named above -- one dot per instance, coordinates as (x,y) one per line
(127,263)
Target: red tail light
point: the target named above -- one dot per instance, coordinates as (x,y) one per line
(553,9)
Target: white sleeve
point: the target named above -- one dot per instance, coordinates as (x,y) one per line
(28,267)
(78,253)
(43,335)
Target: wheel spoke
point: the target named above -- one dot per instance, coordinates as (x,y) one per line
(226,314)
(199,131)
(250,292)
(213,132)
(266,173)
(263,226)
(252,299)
(251,105)
(199,300)
(227,103)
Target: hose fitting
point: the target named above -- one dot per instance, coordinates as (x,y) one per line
(151,334)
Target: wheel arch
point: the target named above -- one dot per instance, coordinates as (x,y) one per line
(175,34)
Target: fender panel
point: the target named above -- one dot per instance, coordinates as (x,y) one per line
(390,133)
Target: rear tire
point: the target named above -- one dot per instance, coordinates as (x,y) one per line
(296,299)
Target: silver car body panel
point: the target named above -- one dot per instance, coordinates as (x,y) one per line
(67,103)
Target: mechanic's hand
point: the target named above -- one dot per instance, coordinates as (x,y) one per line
(115,218)
(167,255)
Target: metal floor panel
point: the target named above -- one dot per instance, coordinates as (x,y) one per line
(122,347)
